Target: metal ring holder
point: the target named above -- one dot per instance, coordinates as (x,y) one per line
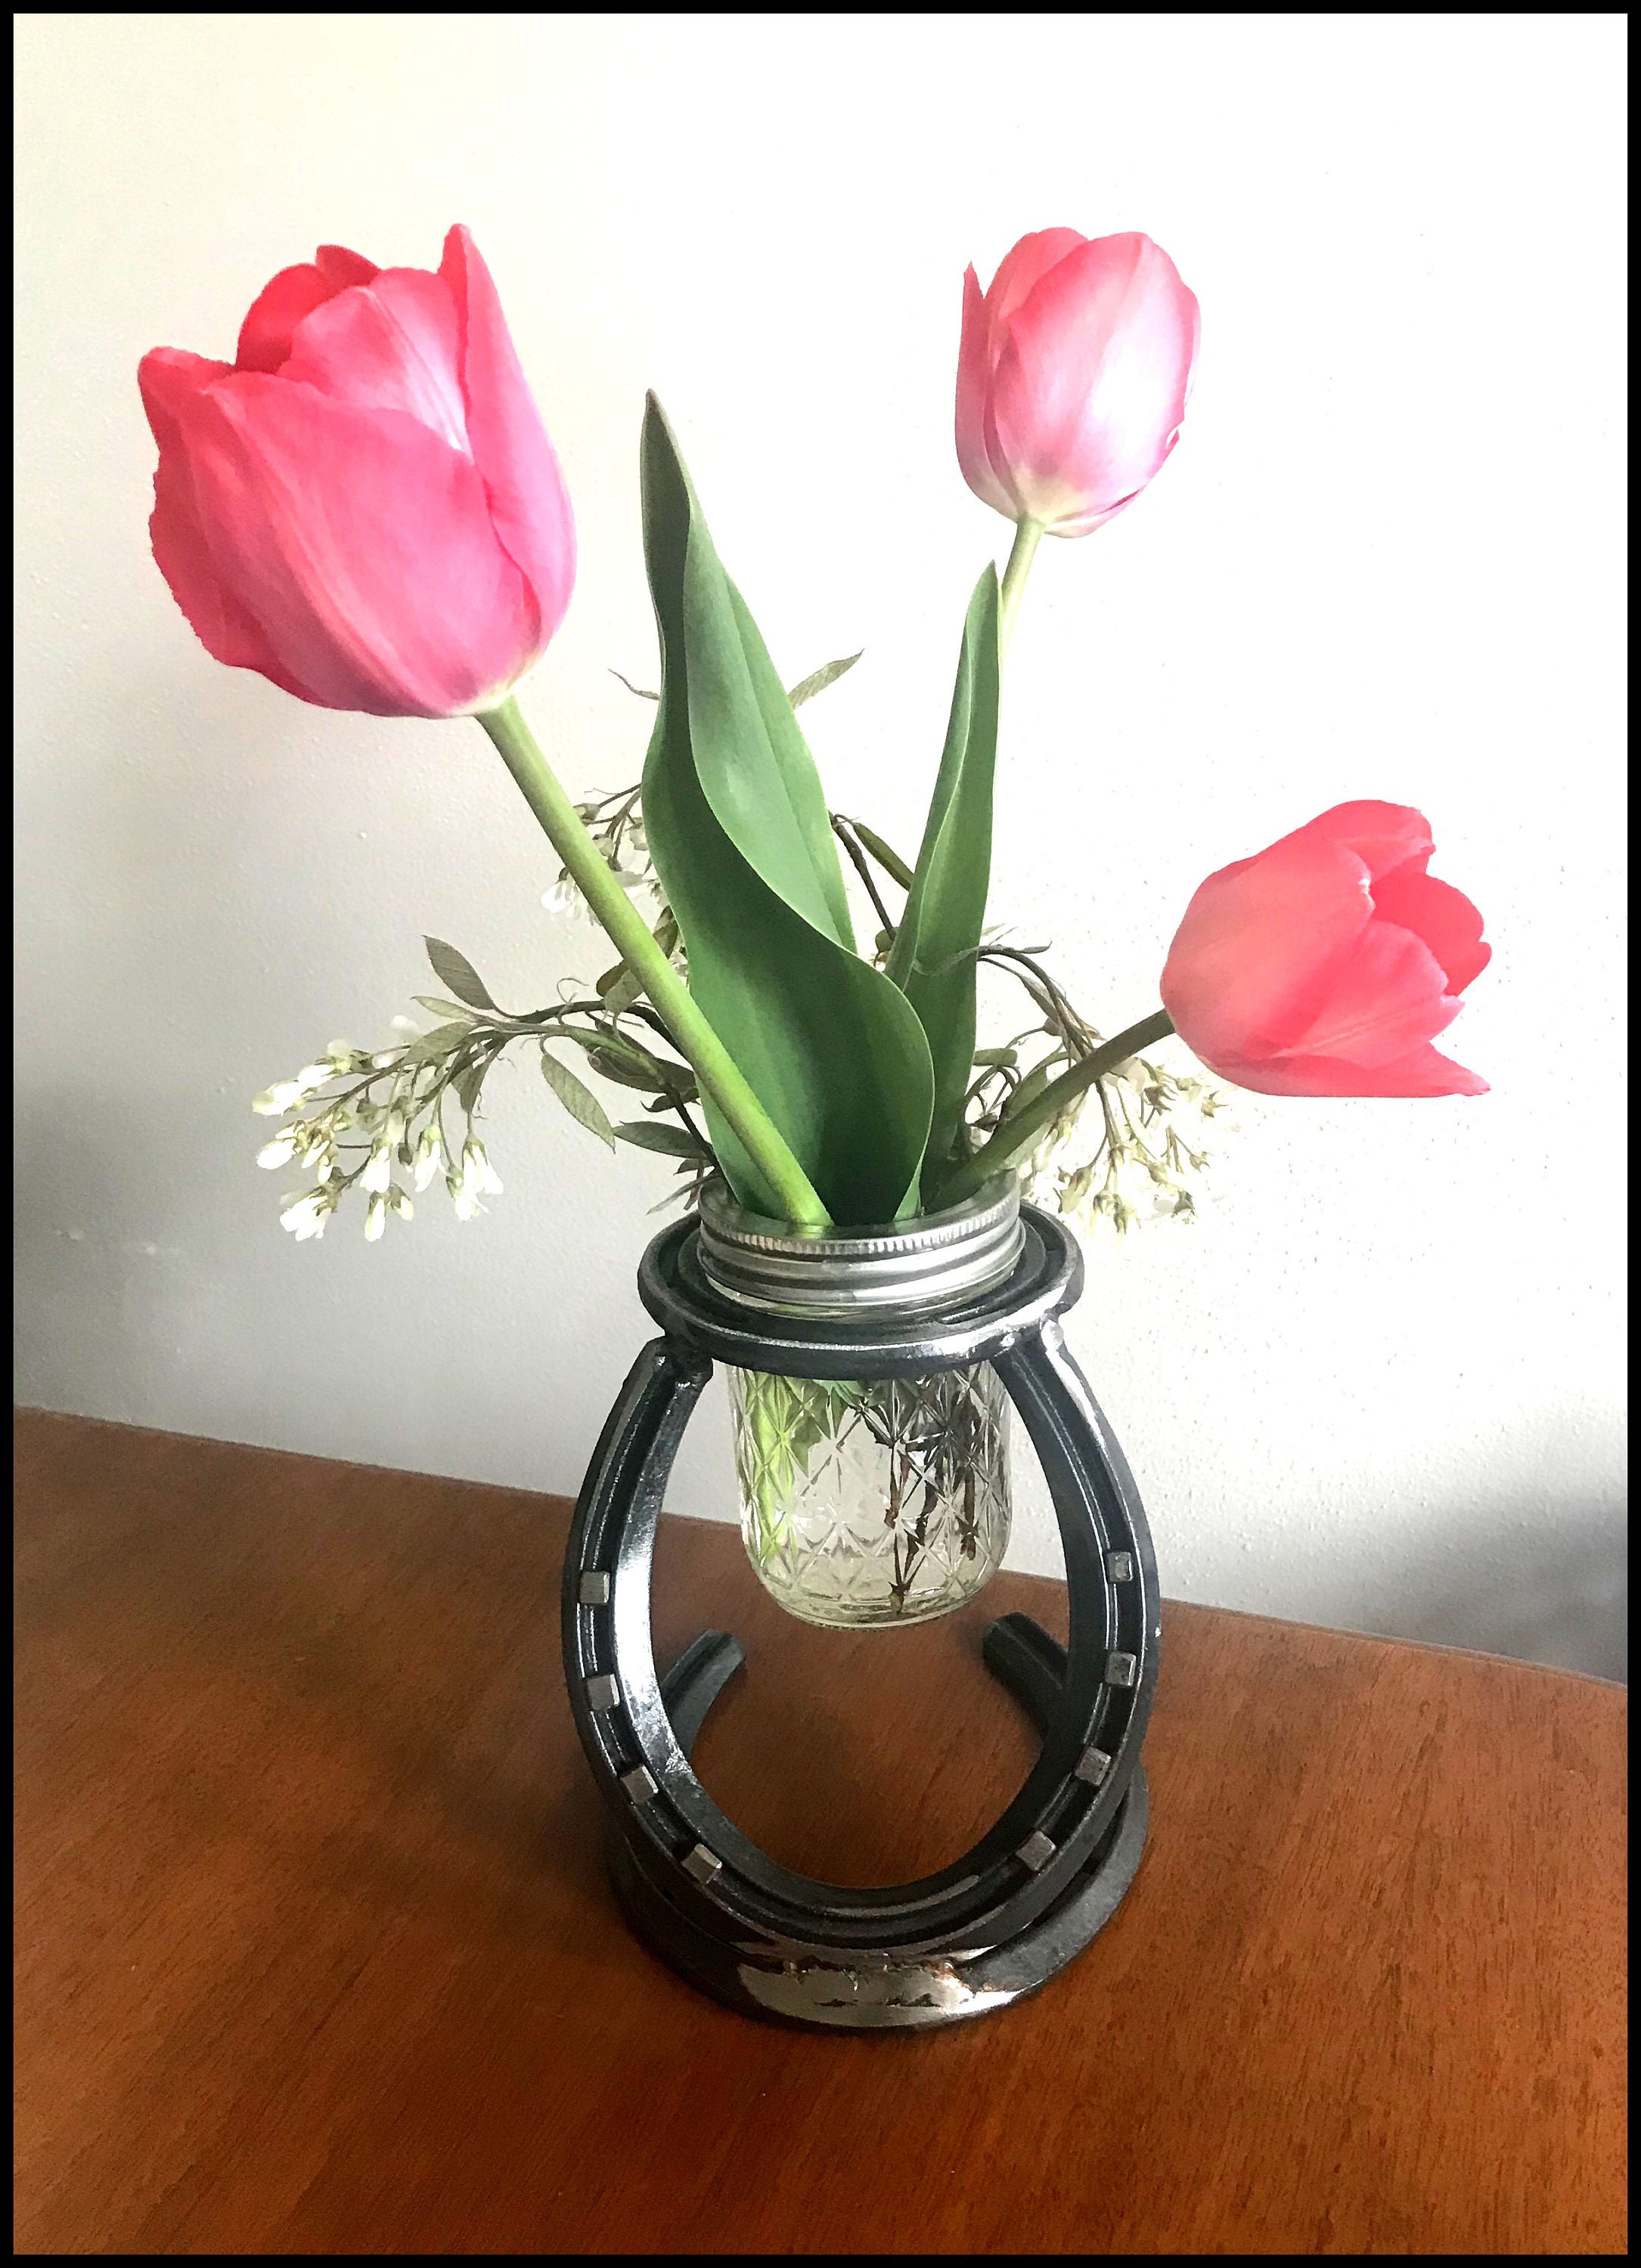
(1029,1894)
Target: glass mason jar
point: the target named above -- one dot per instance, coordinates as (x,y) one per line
(872,1503)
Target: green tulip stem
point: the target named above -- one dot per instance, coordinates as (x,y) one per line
(1027,535)
(1017,1135)
(713,1066)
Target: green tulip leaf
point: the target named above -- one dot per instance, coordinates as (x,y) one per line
(738,829)
(936,946)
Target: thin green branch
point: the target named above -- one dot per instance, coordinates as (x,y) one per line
(1023,1133)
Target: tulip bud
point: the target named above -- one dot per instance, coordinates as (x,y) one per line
(364,505)
(1073,377)
(1329,962)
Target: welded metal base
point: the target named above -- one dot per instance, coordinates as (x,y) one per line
(868,1991)
(1034,1889)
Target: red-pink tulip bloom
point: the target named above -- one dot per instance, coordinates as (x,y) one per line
(363,506)
(1073,377)
(1328,964)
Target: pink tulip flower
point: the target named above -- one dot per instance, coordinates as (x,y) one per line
(1073,377)
(1328,964)
(363,506)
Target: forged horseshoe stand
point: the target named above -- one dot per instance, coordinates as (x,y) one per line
(1035,1889)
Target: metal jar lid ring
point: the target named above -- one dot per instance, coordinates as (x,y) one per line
(917,1267)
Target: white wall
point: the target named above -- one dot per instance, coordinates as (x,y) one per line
(1379,1383)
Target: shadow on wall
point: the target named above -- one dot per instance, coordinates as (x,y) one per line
(83,1337)
(1558,1594)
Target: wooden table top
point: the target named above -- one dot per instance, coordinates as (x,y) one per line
(316,1956)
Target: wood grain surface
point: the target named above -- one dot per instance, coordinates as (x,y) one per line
(314,1953)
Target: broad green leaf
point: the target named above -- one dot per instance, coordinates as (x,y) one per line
(933,954)
(819,680)
(754,767)
(454,969)
(578,1099)
(669,1141)
(738,829)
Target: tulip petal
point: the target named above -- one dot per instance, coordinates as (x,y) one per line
(1446,919)
(973,378)
(1384,835)
(1022,268)
(529,504)
(362,544)
(1387,998)
(268,330)
(1091,382)
(171,380)
(343,267)
(168,379)
(1424,1071)
(1257,954)
(393,344)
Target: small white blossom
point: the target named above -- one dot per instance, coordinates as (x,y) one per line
(312,1076)
(429,1157)
(375,1219)
(398,1201)
(279,1152)
(467,1205)
(378,1169)
(478,1175)
(304,1216)
(385,1060)
(274,1100)
(565,898)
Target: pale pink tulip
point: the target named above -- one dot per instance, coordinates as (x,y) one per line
(1073,377)
(1328,964)
(364,505)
